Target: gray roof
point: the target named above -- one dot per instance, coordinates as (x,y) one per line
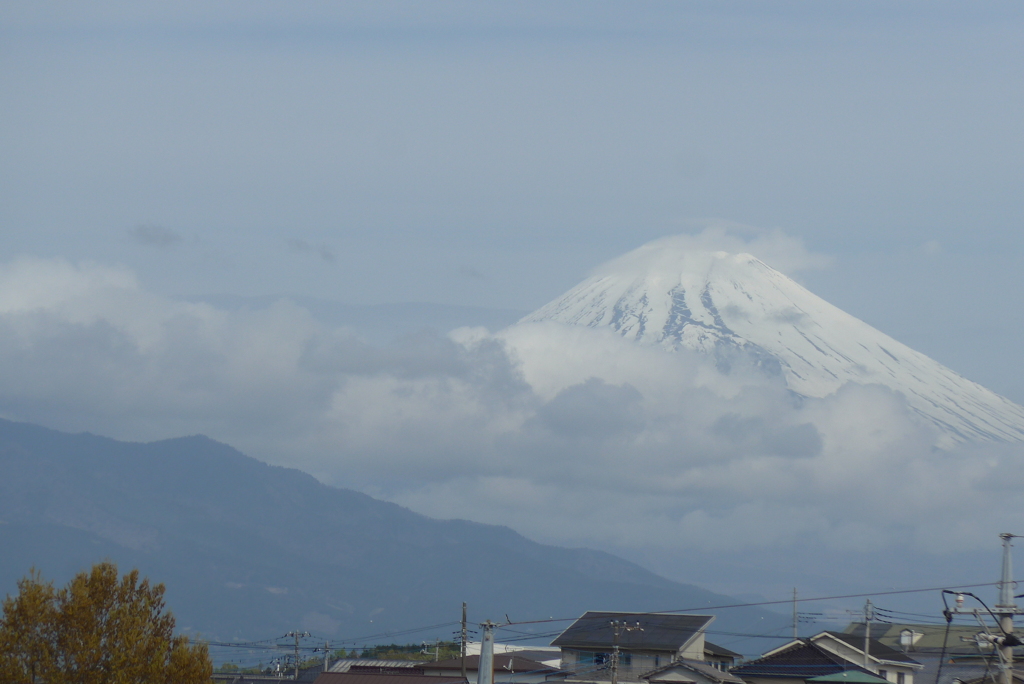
(930,637)
(876,648)
(364,664)
(712,673)
(351,678)
(501,660)
(850,677)
(799,659)
(659,631)
(715,649)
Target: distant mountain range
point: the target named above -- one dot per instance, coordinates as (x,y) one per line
(740,311)
(250,551)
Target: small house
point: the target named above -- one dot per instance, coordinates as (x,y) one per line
(828,653)
(646,642)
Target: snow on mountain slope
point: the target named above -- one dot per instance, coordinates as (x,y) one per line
(737,309)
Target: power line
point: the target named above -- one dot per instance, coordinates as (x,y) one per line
(775,603)
(270,645)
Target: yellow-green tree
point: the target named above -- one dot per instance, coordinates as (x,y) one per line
(100,628)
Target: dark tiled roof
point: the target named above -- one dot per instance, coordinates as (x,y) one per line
(501,661)
(721,651)
(660,631)
(359,678)
(802,660)
(876,648)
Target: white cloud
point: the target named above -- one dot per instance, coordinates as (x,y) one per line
(568,434)
(782,252)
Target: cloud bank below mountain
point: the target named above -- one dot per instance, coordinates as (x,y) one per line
(569,435)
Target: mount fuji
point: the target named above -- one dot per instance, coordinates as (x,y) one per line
(739,310)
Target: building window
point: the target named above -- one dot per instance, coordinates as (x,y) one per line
(901,678)
(884,674)
(657,661)
(625,659)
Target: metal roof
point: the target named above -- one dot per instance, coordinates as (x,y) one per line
(658,631)
(364,664)
(876,649)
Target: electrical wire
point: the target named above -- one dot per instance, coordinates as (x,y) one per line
(903,612)
(775,603)
(269,645)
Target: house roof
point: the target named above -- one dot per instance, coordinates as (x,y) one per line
(802,658)
(876,649)
(712,673)
(501,661)
(376,666)
(715,649)
(850,677)
(659,631)
(960,638)
(306,674)
(361,678)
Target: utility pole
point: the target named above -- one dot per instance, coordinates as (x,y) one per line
(297,635)
(868,614)
(617,629)
(795,634)
(327,655)
(1006,609)
(485,675)
(463,646)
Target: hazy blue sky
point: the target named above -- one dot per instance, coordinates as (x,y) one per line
(490,155)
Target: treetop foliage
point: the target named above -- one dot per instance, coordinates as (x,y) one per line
(99,629)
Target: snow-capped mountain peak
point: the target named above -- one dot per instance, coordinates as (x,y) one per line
(734,306)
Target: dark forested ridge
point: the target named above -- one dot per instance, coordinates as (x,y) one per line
(248,550)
